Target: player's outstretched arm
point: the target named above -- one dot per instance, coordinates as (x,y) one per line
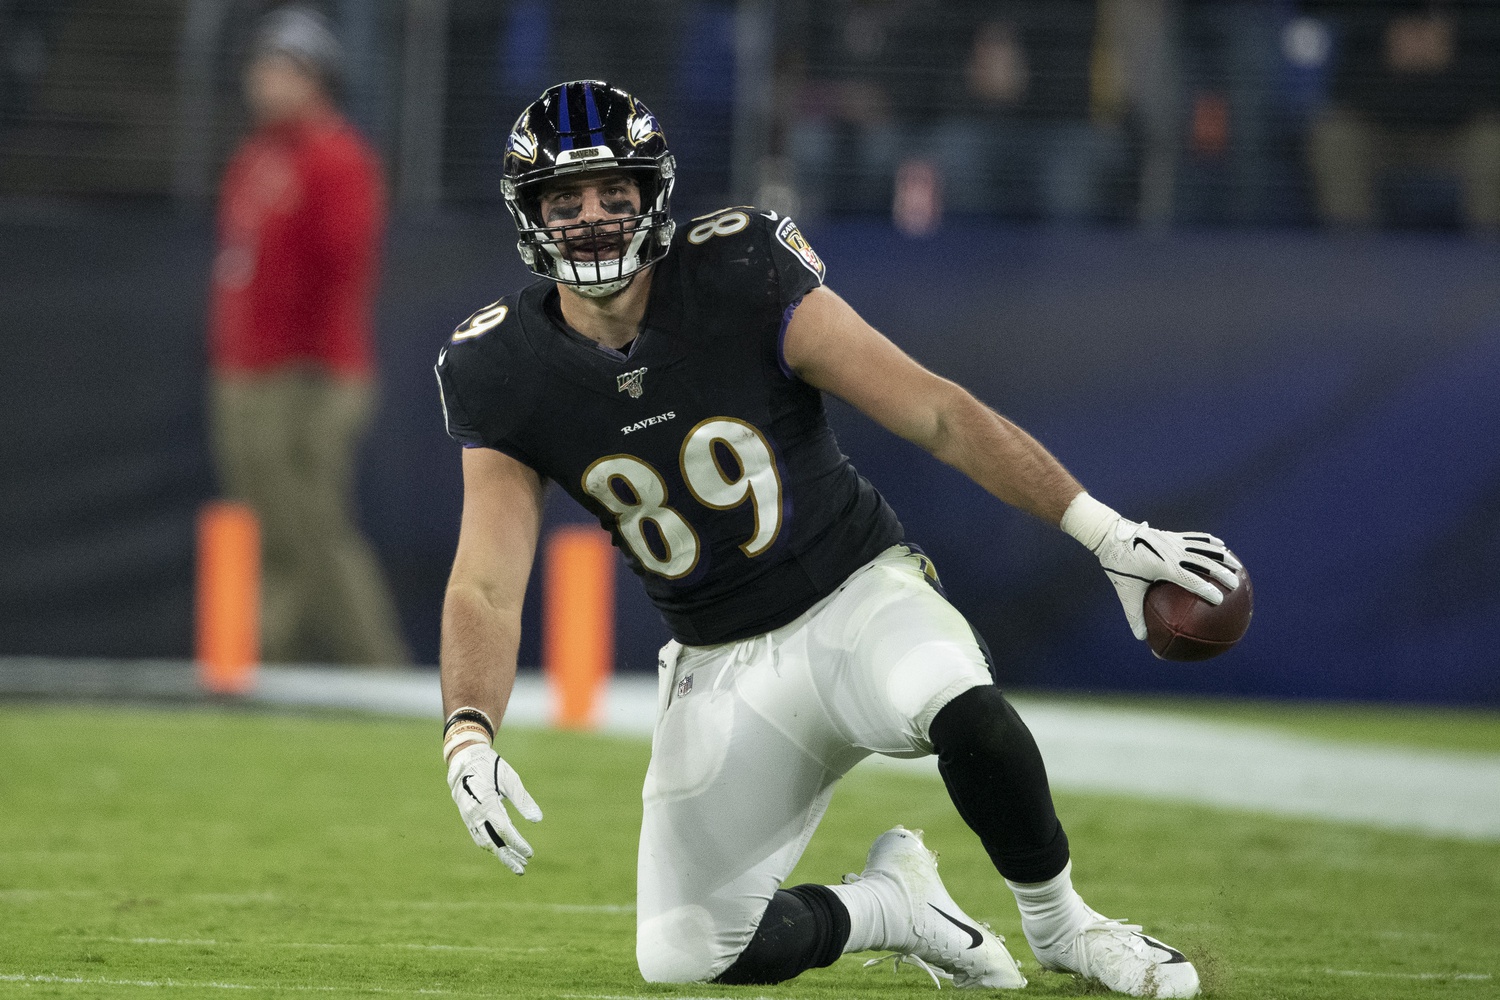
(497,540)
(831,347)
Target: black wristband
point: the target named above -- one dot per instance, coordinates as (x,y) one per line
(467,714)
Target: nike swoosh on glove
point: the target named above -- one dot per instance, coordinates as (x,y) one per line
(1136,555)
(481,782)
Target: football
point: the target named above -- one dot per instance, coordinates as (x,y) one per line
(1180,625)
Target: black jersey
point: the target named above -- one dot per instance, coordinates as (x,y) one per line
(709,462)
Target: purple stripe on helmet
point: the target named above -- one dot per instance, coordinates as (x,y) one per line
(563,126)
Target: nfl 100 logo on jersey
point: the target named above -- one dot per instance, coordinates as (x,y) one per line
(633,383)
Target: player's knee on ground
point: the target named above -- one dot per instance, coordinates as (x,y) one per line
(996,778)
(804,927)
(681,945)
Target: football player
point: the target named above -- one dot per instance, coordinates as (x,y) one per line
(671,379)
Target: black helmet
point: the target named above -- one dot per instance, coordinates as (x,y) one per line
(579,127)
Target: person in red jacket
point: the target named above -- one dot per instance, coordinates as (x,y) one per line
(300,221)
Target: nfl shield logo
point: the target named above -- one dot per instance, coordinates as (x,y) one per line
(631,382)
(685,685)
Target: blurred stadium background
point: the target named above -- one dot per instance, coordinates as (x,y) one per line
(1102,217)
(1124,223)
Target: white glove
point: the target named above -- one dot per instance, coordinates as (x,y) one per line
(481,782)
(1137,555)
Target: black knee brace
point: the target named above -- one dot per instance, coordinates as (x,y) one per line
(998,782)
(804,927)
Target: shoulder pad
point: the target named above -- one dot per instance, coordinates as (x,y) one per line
(786,240)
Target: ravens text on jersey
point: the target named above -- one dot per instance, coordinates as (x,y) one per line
(711,464)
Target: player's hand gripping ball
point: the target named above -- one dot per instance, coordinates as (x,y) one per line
(1180,625)
(1184,593)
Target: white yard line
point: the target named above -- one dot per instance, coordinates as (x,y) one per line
(603,909)
(317,945)
(1160,755)
(1463,977)
(1088,748)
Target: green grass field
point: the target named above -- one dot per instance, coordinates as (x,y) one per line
(196,852)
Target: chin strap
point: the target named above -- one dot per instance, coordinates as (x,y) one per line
(606,289)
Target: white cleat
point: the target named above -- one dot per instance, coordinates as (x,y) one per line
(1121,957)
(942,935)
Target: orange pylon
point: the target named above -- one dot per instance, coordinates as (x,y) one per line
(228,597)
(578,622)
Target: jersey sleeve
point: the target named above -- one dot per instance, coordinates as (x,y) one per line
(799,269)
(756,260)
(478,386)
(456,420)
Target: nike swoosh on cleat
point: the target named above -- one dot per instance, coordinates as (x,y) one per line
(1177,956)
(974,934)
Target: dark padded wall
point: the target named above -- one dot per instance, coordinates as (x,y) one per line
(102,460)
(1326,404)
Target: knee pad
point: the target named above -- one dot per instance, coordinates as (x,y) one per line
(804,927)
(977,721)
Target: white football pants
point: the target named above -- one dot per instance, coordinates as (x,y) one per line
(751,736)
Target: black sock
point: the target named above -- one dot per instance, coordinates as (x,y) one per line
(804,927)
(996,778)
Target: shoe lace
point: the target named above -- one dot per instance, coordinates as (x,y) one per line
(1107,924)
(1117,937)
(896,958)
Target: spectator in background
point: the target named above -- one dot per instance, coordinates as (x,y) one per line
(1135,78)
(1415,89)
(1018,138)
(867,84)
(1237,120)
(292,392)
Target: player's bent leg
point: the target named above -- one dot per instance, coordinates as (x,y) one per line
(920,682)
(730,801)
(998,782)
(888,654)
(743,760)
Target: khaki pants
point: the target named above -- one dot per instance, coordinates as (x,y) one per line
(1348,153)
(285,443)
